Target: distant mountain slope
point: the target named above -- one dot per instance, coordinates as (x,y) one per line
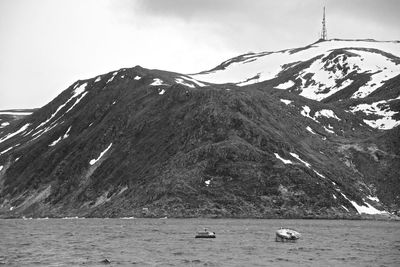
(139,142)
(367,72)
(7,116)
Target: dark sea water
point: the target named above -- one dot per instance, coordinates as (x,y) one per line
(171,242)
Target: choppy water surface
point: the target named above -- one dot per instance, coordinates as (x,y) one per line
(171,242)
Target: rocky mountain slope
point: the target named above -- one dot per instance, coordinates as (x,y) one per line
(303,133)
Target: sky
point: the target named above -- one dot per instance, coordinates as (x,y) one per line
(47,45)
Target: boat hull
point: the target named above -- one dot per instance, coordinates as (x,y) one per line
(205,234)
(284,239)
(286,235)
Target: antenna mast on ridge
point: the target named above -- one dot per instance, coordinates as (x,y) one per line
(323,33)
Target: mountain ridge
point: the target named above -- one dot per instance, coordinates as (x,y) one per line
(139,142)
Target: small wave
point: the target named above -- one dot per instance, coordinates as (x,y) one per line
(186,261)
(282,259)
(68,234)
(127,218)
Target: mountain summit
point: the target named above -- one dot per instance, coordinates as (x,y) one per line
(301,133)
(354,71)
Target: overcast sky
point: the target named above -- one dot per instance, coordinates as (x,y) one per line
(46,45)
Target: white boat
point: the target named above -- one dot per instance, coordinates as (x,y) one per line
(205,234)
(286,234)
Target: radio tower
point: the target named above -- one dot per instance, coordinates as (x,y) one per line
(323,33)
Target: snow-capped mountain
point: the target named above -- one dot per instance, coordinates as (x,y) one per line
(331,66)
(273,134)
(333,70)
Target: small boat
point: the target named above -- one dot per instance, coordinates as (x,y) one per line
(205,234)
(287,235)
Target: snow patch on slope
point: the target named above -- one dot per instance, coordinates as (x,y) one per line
(380,108)
(4,124)
(76,102)
(285,161)
(61,137)
(198,83)
(93,161)
(20,130)
(299,159)
(67,133)
(285,85)
(306,112)
(320,175)
(56,141)
(5,151)
(328,130)
(326,113)
(112,77)
(287,102)
(157,82)
(181,81)
(366,208)
(308,128)
(77,91)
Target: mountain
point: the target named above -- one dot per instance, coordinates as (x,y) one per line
(362,74)
(7,116)
(300,133)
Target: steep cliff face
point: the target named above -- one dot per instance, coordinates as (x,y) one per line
(139,142)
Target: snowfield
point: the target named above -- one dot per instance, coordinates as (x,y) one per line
(267,65)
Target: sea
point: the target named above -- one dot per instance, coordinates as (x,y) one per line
(171,242)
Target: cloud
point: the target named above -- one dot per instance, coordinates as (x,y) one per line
(284,22)
(240,25)
(51,43)
(190,9)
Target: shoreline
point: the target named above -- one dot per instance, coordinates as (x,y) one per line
(349,218)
